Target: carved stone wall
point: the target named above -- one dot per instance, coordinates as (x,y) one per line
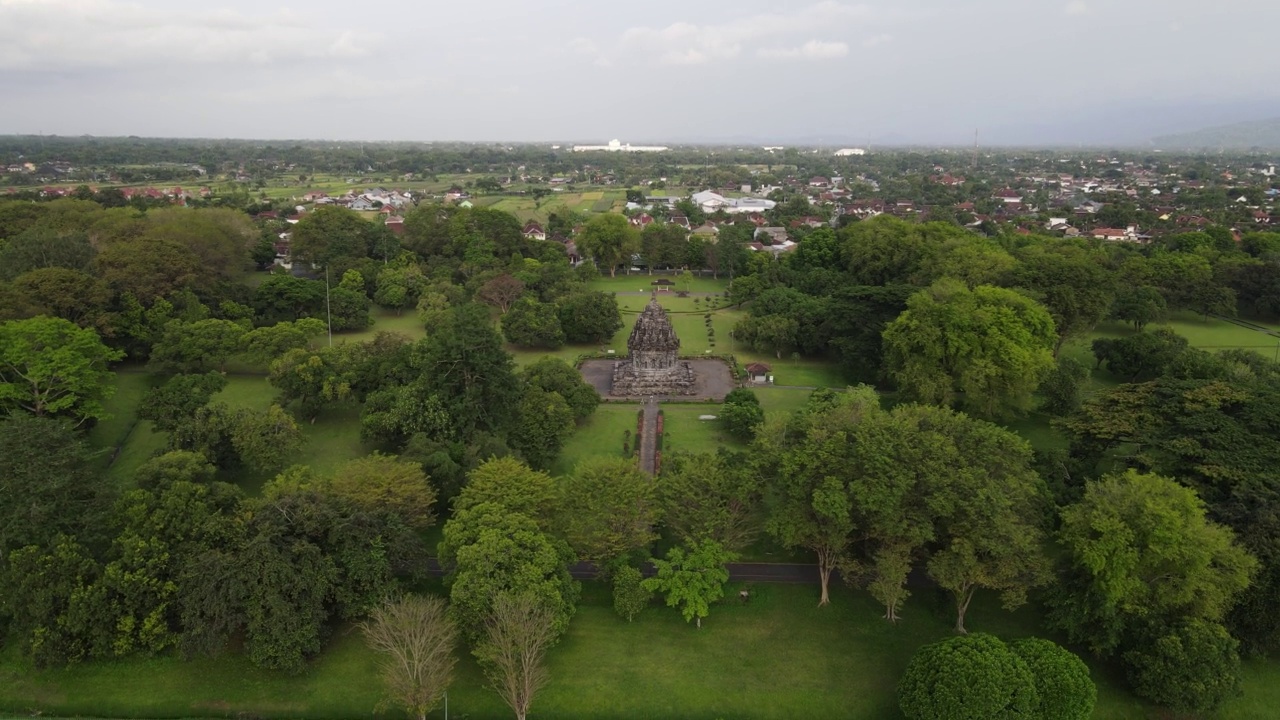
(653,366)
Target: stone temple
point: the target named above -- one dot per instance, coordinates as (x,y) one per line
(654,367)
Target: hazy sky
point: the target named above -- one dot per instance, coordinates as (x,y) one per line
(910,70)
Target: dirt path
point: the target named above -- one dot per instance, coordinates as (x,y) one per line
(649,441)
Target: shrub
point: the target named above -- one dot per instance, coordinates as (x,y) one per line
(970,677)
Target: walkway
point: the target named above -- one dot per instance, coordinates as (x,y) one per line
(649,438)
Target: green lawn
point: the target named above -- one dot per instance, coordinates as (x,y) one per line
(778,656)
(641,282)
(600,435)
(781,400)
(406,323)
(683,431)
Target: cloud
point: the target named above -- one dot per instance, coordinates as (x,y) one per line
(812,50)
(877,40)
(114,34)
(685,43)
(1077,8)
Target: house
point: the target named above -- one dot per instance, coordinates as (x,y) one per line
(395,224)
(1113,234)
(819,182)
(314,195)
(770,235)
(642,220)
(680,220)
(534,231)
(759,373)
(1007,195)
(707,231)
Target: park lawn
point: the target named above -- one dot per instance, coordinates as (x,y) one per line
(333,439)
(131,384)
(671,302)
(600,435)
(776,656)
(640,281)
(780,400)
(682,431)
(1212,334)
(405,323)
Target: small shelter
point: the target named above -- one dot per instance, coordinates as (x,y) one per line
(759,373)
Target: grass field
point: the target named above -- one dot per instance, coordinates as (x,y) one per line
(778,656)
(600,435)
(682,430)
(641,282)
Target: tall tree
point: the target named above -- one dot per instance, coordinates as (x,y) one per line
(692,578)
(589,316)
(610,239)
(51,367)
(519,630)
(1139,550)
(802,461)
(608,509)
(989,345)
(710,496)
(416,638)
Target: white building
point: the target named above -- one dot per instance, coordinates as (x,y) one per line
(846,152)
(711,201)
(617,146)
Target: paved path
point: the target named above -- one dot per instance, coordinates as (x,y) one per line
(649,439)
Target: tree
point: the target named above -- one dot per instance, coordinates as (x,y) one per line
(610,239)
(311,379)
(553,375)
(51,601)
(991,345)
(148,267)
(741,413)
(589,316)
(692,577)
(1064,690)
(512,485)
(399,286)
(330,233)
(1061,387)
(265,344)
(710,496)
(1192,667)
(174,402)
(175,466)
(69,294)
(395,414)
(608,509)
(1145,355)
(529,323)
(1139,305)
(630,598)
(46,481)
(416,639)
(804,466)
(198,346)
(43,247)
(264,440)
(769,333)
(544,425)
(498,553)
(519,630)
(501,291)
(1072,285)
(51,367)
(1139,549)
(973,677)
(464,364)
(389,484)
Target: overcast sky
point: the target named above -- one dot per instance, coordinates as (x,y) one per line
(905,71)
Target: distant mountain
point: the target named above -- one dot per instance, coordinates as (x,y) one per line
(1259,134)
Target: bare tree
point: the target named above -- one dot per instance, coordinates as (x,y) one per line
(501,291)
(518,632)
(416,637)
